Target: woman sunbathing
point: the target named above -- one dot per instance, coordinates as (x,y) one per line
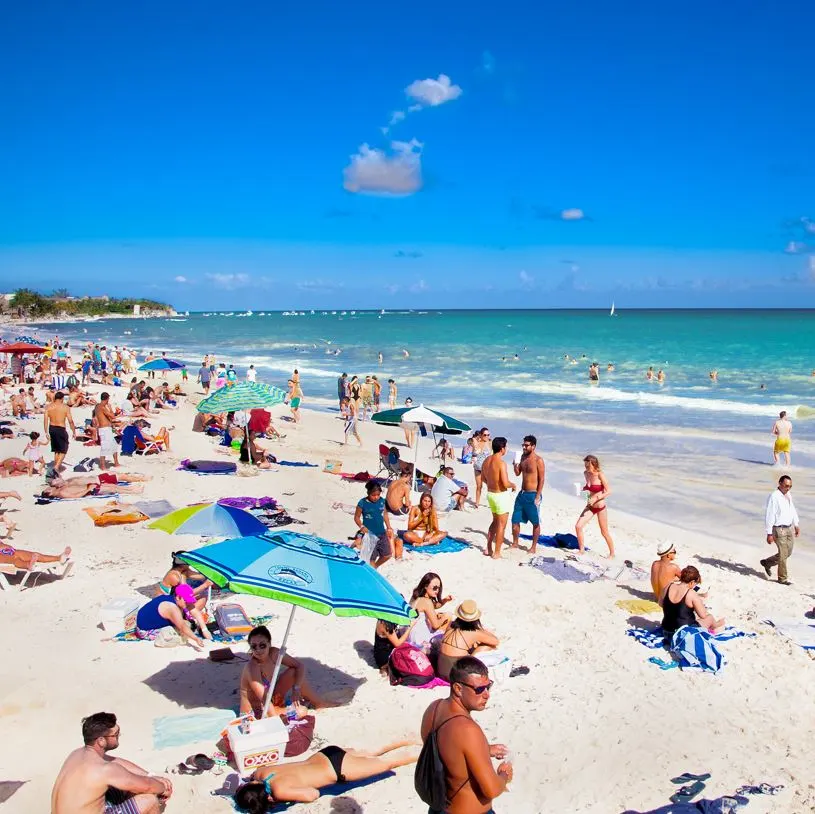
(291,680)
(13,466)
(423,525)
(301,780)
(89,485)
(26,560)
(682,605)
(464,637)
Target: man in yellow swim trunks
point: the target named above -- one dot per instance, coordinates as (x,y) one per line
(499,495)
(782,430)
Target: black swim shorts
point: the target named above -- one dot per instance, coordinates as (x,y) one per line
(59,439)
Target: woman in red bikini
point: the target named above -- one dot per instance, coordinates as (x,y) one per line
(598,489)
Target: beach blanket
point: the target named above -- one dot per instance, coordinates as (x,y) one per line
(41,500)
(638,605)
(208,467)
(802,633)
(449,545)
(115,514)
(561,570)
(152,635)
(154,508)
(194,727)
(555,540)
(249,502)
(296,463)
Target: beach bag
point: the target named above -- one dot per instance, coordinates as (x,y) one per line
(409,666)
(232,619)
(429,775)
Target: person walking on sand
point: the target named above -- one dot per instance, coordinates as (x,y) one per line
(391,394)
(92,782)
(782,526)
(527,503)
(342,388)
(56,415)
(598,490)
(103,416)
(351,423)
(447,727)
(782,430)
(499,498)
(295,396)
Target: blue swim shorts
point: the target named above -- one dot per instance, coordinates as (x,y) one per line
(525,510)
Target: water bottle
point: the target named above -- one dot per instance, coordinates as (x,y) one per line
(291,710)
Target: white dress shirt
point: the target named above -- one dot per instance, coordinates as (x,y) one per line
(780,511)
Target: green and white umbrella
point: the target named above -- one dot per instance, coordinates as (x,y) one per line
(242,396)
(421,415)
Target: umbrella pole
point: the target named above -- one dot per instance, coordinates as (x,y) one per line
(415,456)
(267,703)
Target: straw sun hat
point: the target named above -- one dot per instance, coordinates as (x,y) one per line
(468,611)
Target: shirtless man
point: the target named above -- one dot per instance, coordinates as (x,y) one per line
(397,499)
(472,783)
(91,782)
(499,499)
(17,402)
(533,473)
(782,430)
(56,415)
(664,570)
(103,416)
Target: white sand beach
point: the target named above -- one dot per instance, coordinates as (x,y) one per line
(593,727)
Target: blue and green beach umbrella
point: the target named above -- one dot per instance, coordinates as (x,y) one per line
(163,364)
(209,520)
(304,571)
(242,396)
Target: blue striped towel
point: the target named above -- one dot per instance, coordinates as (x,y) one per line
(693,646)
(449,545)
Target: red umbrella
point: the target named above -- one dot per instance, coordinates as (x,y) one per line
(21,347)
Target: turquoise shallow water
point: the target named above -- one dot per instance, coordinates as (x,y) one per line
(691,451)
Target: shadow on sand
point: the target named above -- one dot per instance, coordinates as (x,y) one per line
(735,567)
(203,683)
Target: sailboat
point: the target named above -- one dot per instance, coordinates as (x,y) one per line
(611,312)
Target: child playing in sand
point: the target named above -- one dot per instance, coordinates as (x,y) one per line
(33,454)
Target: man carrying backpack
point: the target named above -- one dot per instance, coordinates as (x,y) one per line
(454,773)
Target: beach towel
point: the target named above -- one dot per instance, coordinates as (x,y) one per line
(296,463)
(208,467)
(555,540)
(194,727)
(638,605)
(217,636)
(693,646)
(42,500)
(561,570)
(249,502)
(802,633)
(449,545)
(154,508)
(115,514)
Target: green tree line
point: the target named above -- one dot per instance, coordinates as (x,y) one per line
(31,304)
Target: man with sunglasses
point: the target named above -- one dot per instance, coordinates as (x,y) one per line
(92,782)
(664,571)
(472,782)
(532,472)
(782,527)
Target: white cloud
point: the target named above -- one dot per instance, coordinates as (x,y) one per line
(527,280)
(795,247)
(396,117)
(229,281)
(181,279)
(319,285)
(419,286)
(572,214)
(433,92)
(414,108)
(377,172)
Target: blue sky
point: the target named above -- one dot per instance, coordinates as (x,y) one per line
(373,155)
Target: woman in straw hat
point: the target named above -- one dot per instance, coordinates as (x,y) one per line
(464,637)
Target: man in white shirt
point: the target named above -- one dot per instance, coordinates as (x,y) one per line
(781,525)
(251,374)
(446,493)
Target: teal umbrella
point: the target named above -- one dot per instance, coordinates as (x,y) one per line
(304,571)
(243,396)
(163,363)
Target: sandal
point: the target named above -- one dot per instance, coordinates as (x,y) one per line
(200,762)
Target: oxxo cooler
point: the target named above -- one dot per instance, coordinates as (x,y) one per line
(257,743)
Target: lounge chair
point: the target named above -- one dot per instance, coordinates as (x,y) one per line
(54,569)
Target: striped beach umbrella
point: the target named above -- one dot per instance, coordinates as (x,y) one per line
(303,571)
(163,363)
(242,396)
(209,520)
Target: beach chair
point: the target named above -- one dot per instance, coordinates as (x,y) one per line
(158,444)
(54,569)
(392,468)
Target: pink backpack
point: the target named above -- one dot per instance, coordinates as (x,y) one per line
(409,666)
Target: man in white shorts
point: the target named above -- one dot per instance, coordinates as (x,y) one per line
(103,417)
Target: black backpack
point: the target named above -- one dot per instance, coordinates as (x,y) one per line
(429,778)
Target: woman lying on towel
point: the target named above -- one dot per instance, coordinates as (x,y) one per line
(423,524)
(90,485)
(13,467)
(26,560)
(291,681)
(300,781)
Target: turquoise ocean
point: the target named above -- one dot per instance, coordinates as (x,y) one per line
(508,370)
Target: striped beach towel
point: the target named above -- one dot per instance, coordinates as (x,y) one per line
(693,646)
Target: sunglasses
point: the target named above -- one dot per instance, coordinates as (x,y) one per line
(479,690)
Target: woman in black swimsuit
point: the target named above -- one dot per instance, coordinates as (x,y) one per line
(682,605)
(301,781)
